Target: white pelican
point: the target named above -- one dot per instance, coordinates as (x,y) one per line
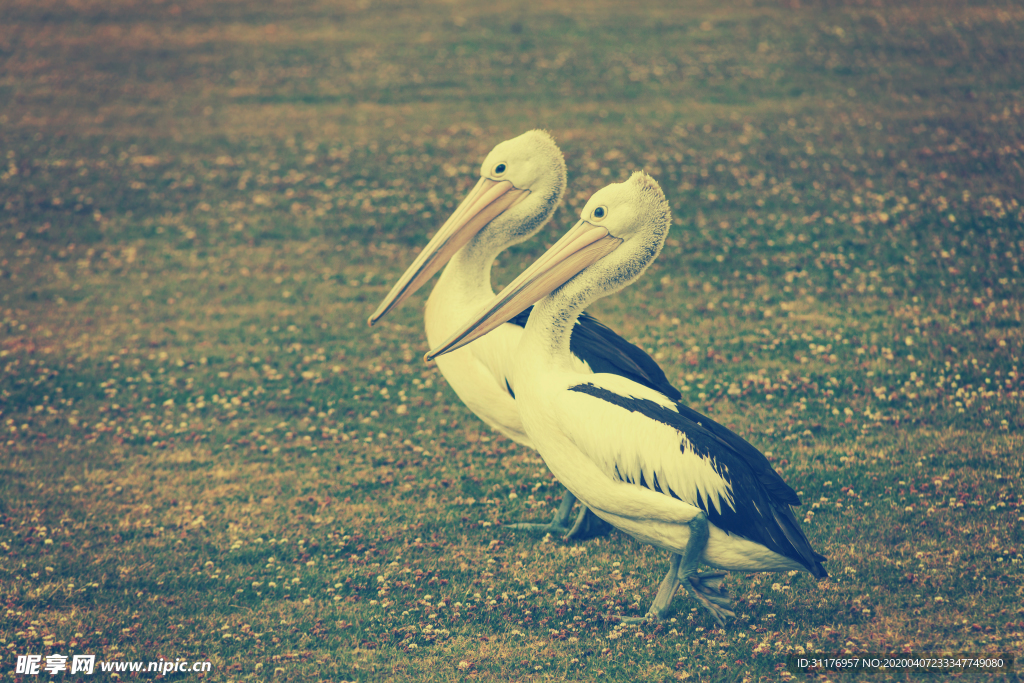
(521,183)
(653,468)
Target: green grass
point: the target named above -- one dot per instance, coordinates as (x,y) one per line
(206,454)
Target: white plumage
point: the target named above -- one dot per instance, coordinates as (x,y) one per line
(531,171)
(521,183)
(646,463)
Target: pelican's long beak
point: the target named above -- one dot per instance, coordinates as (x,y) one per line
(582,246)
(487,200)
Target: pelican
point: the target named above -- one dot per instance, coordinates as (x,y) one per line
(637,458)
(521,183)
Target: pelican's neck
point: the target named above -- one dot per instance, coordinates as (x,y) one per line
(550,327)
(463,287)
(467,277)
(473,264)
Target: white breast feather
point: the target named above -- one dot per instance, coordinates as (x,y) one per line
(613,436)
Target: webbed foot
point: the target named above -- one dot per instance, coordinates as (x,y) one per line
(587,524)
(550,528)
(707,589)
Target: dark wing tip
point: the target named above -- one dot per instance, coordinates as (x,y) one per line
(802,550)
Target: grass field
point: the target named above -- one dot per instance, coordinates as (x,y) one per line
(207,455)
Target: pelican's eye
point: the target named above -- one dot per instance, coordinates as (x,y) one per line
(500,168)
(600,212)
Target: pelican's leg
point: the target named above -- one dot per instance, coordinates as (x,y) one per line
(667,589)
(558,525)
(706,588)
(588,525)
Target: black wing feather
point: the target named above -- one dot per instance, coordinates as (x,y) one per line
(605,351)
(761,497)
(755,459)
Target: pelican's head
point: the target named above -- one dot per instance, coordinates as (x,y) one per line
(635,212)
(620,232)
(521,182)
(530,162)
